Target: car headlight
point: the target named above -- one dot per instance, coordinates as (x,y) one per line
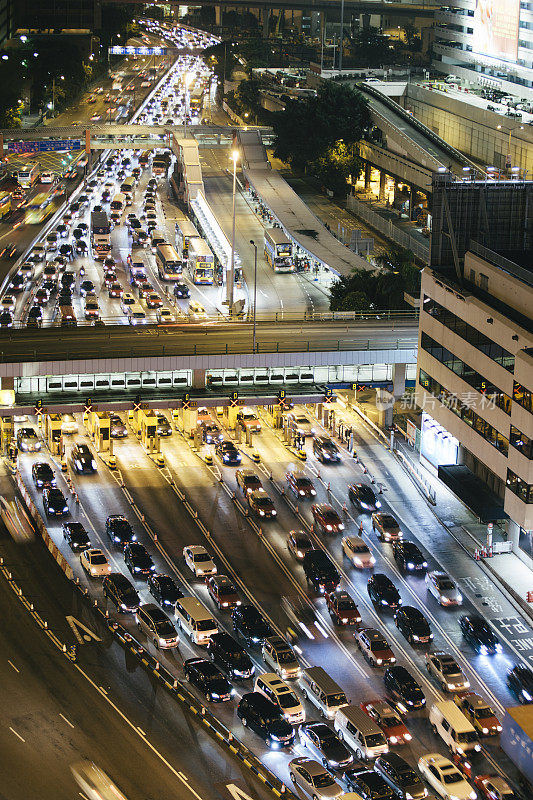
(261,513)
(136,569)
(274,512)
(325,455)
(410,565)
(415,638)
(152,568)
(65,509)
(379,661)
(424,563)
(498,648)
(93,571)
(526,695)
(483,650)
(450,686)
(134,538)
(407,737)
(473,795)
(224,605)
(341,526)
(357,560)
(124,607)
(302,493)
(225,458)
(378,503)
(255,639)
(499,728)
(393,740)
(384,603)
(116,539)
(214,696)
(313,492)
(459,598)
(162,642)
(78,464)
(328,528)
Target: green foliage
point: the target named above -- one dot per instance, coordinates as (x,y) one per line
(247,95)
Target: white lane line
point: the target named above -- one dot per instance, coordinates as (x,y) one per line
(66,720)
(141,731)
(84,797)
(17,734)
(12,665)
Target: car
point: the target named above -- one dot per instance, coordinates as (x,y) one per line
(181,290)
(92,310)
(94,782)
(8,303)
(248,420)
(155,624)
(118,589)
(264,718)
(144,289)
(403,688)
(342,608)
(43,474)
(300,424)
(400,776)
(115,290)
(197,312)
(138,560)
(35,317)
(247,479)
(409,557)
(367,784)
(208,679)
(82,460)
(446,670)
(388,719)
(54,502)
(227,654)
(69,424)
(39,253)
(363,496)
(479,713)
(28,441)
(18,283)
(164,316)
(444,777)
(164,428)
(41,296)
(87,287)
(324,744)
(76,536)
(95,563)
(250,624)
(261,504)
(223,592)
(356,550)
(494,787)
(117,427)
(199,561)
(520,682)
(374,647)
(153,300)
(383,592)
(326,450)
(479,634)
(388,529)
(163,588)
(227,452)
(320,572)
(127,300)
(443,589)
(325,519)
(313,779)
(413,625)
(6,319)
(300,484)
(299,543)
(119,530)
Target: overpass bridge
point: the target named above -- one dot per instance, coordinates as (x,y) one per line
(404,9)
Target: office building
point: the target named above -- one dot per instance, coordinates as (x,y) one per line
(56,16)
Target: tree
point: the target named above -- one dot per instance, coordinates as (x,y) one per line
(247,94)
(380,289)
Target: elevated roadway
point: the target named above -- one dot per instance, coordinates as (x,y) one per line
(404,9)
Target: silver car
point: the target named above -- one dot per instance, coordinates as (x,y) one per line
(313,779)
(443,589)
(28,441)
(300,424)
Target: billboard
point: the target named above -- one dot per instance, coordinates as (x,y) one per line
(496,28)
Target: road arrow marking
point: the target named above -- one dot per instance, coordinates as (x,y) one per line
(76,626)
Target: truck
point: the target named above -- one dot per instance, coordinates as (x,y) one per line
(100,234)
(516,738)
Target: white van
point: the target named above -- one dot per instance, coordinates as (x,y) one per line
(136,314)
(453,727)
(322,691)
(360,733)
(279,693)
(194,618)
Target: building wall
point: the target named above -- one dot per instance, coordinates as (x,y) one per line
(56,15)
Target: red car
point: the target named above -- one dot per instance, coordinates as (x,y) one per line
(115,290)
(110,276)
(145,289)
(388,720)
(342,608)
(326,519)
(300,484)
(223,592)
(494,787)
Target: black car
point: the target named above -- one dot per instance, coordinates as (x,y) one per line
(363,497)
(224,651)
(227,452)
(264,718)
(413,625)
(181,290)
(320,571)
(212,432)
(326,450)
(138,560)
(479,635)
(18,282)
(6,319)
(54,502)
(35,317)
(408,556)
(520,682)
(383,592)
(75,534)
(43,474)
(119,530)
(87,287)
(83,461)
(368,784)
(324,744)
(64,297)
(400,775)
(119,590)
(164,589)
(249,623)
(81,246)
(208,679)
(403,688)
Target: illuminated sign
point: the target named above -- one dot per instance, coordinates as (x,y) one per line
(496,28)
(142,51)
(44,146)
(437,445)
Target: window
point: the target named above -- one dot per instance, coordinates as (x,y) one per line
(483,282)
(523,396)
(519,487)
(521,442)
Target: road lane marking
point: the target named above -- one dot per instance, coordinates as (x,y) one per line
(17,734)
(12,665)
(66,720)
(75,624)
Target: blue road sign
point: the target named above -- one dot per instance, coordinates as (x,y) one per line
(44,146)
(141,51)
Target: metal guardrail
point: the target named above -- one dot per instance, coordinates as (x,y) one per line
(387,228)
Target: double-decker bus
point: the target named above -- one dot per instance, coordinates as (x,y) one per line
(200,262)
(27,175)
(196,100)
(100,234)
(185,233)
(169,264)
(278,250)
(40,207)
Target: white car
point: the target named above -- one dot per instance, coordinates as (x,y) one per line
(40,252)
(68,424)
(357,551)
(197,312)
(447,671)
(443,776)
(164,316)
(443,589)
(93,781)
(47,177)
(95,563)
(313,779)
(126,301)
(199,561)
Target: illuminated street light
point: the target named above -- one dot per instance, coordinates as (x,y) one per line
(231,282)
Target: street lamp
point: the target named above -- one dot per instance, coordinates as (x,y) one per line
(516,128)
(231,281)
(255,286)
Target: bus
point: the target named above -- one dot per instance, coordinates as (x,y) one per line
(185,233)
(100,234)
(40,207)
(169,264)
(196,100)
(5,204)
(28,175)
(201,262)
(160,164)
(278,250)
(127,187)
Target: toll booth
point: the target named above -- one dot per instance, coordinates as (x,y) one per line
(6,432)
(52,433)
(101,430)
(149,437)
(229,416)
